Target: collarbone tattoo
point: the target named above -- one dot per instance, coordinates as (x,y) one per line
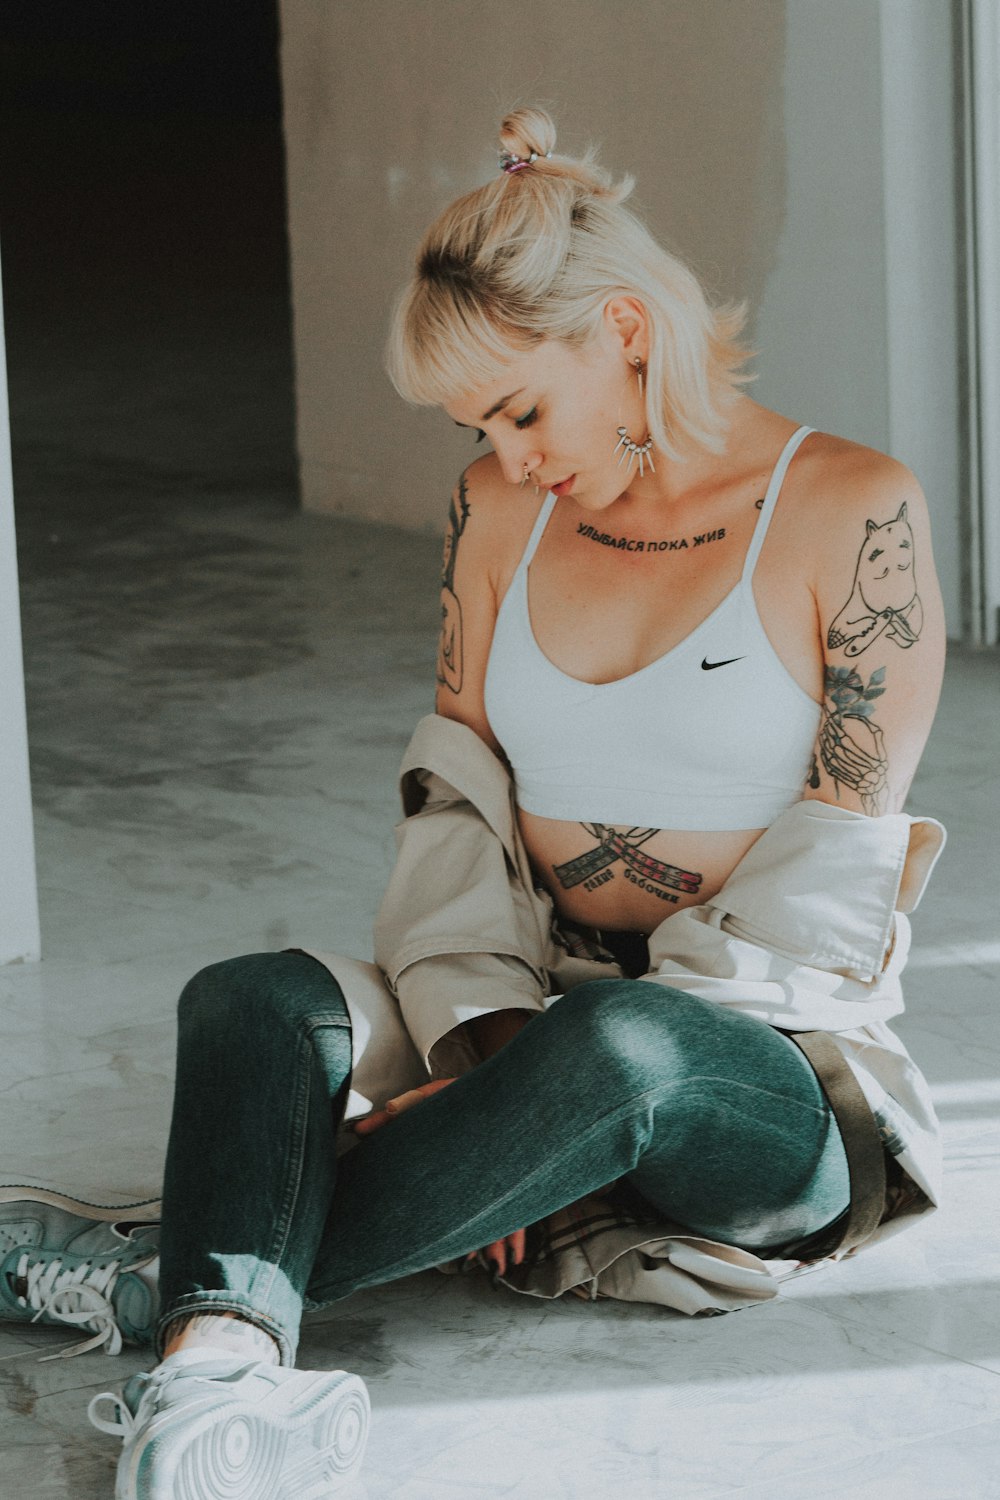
(646,544)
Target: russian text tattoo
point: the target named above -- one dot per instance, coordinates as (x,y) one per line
(884,599)
(851,745)
(636,544)
(591,870)
(449,664)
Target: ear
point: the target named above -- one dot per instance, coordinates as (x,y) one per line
(872,526)
(902,512)
(627,321)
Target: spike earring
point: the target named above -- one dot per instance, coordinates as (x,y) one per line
(630,449)
(524,481)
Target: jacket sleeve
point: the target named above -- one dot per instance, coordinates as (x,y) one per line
(460,932)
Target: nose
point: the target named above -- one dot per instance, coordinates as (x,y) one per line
(515,459)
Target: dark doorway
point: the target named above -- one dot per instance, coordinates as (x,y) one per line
(142,232)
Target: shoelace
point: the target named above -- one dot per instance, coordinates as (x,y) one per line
(122,1424)
(77,1295)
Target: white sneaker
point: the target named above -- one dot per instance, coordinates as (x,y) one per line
(212,1427)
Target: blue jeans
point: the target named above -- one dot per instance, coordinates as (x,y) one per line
(715,1118)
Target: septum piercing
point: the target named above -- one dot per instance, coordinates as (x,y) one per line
(524,481)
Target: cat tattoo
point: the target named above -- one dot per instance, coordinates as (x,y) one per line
(884,598)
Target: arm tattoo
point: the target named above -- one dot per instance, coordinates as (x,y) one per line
(591,869)
(884,599)
(851,745)
(449,667)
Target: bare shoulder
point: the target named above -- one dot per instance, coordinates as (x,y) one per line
(840,484)
(488,525)
(505,510)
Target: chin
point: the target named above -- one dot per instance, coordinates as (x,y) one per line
(595,504)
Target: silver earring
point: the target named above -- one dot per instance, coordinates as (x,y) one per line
(632,450)
(639,367)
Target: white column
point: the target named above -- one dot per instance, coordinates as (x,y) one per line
(921,269)
(19,933)
(983,81)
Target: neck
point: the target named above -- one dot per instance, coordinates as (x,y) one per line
(675,479)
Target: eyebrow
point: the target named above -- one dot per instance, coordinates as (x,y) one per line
(500,405)
(494,409)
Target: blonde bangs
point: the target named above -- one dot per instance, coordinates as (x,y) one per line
(443,344)
(534,256)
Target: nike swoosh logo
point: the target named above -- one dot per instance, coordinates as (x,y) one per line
(710,666)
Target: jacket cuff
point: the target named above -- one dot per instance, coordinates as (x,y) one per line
(440,993)
(822,884)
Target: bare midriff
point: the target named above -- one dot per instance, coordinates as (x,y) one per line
(628,878)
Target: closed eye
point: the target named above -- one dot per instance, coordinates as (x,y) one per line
(521,422)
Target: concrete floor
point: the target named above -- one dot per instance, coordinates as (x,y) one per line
(220,689)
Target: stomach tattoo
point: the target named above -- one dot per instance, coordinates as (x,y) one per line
(594,868)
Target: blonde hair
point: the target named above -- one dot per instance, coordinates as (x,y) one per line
(536,254)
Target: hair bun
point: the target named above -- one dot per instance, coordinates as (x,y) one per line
(524,131)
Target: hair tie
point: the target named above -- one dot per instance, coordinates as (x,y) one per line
(511,163)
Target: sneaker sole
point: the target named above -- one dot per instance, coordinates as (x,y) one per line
(125,1208)
(248,1453)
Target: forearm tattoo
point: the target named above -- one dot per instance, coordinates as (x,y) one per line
(851,744)
(592,869)
(450,650)
(884,602)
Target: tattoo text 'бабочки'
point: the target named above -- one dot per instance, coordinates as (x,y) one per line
(449,666)
(591,869)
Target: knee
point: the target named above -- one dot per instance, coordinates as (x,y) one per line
(247,995)
(648,1032)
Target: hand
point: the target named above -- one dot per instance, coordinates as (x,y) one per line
(398,1106)
(498,1251)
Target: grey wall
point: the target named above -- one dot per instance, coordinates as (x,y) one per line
(392,109)
(798,154)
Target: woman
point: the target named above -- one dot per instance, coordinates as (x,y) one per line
(705,644)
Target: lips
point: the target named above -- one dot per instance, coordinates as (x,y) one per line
(564,486)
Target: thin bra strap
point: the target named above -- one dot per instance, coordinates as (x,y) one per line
(771,500)
(542,520)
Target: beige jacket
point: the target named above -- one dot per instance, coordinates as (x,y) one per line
(808,933)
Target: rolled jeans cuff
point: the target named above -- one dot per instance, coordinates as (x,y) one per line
(214,1303)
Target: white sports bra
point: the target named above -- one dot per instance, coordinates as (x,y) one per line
(713,736)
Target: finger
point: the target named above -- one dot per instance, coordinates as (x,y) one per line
(370,1122)
(406,1101)
(399,1105)
(498,1254)
(518,1245)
